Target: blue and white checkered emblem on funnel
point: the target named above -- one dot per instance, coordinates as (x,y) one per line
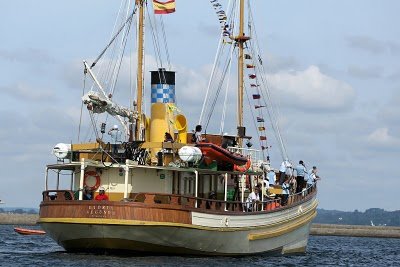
(162,93)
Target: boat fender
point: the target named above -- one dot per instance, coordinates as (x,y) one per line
(244,167)
(92,174)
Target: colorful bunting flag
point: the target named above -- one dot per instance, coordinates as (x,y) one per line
(259,119)
(260,60)
(162,8)
(261,128)
(256,96)
(259,106)
(254,85)
(252,76)
(263,138)
(221,16)
(247,56)
(250,66)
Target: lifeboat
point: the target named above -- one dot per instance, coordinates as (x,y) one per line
(24,231)
(222,156)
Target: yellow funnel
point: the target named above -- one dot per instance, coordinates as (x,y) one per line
(181,126)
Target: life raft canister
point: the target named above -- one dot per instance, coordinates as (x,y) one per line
(243,168)
(91,174)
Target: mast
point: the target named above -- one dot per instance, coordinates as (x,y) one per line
(241,38)
(140,51)
(240,65)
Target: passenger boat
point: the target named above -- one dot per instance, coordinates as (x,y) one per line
(24,231)
(163,196)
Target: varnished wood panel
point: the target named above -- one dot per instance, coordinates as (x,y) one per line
(114,210)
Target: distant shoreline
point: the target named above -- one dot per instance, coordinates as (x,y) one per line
(19,219)
(355,230)
(316,228)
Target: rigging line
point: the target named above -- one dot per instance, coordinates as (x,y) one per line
(272,115)
(80,116)
(258,49)
(216,60)
(94,125)
(226,92)
(113,38)
(219,87)
(165,42)
(254,120)
(125,40)
(120,56)
(219,77)
(104,76)
(215,65)
(154,33)
(272,107)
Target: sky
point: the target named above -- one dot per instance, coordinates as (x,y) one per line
(332,65)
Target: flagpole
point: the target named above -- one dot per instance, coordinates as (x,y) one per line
(140,53)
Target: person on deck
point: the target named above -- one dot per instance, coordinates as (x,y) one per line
(252,199)
(115,138)
(283,170)
(168,137)
(301,172)
(271,177)
(285,191)
(101,195)
(87,193)
(312,178)
(197,134)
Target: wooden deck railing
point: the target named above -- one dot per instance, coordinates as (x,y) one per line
(58,195)
(190,202)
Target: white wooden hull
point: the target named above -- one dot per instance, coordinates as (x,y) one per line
(284,231)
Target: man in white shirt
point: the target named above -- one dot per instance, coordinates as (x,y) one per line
(312,177)
(252,199)
(283,170)
(301,171)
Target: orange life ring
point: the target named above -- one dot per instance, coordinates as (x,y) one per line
(243,168)
(92,174)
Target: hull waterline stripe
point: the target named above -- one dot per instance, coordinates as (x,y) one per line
(282,230)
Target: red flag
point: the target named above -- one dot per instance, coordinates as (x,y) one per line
(164,7)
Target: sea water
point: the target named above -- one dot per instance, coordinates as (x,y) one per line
(18,250)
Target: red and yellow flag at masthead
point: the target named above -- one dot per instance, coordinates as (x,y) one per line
(164,7)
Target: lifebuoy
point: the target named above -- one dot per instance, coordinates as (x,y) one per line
(243,168)
(91,174)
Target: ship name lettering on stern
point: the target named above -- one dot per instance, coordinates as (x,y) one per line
(98,211)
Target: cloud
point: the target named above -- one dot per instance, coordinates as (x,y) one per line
(365,72)
(373,46)
(26,92)
(390,112)
(381,138)
(28,55)
(310,90)
(367,44)
(279,63)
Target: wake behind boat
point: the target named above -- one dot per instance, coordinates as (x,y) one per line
(155,189)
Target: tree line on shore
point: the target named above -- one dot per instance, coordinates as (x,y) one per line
(373,216)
